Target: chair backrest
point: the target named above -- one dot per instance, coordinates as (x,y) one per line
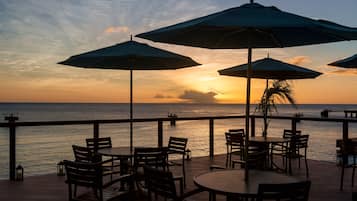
(301,141)
(298,191)
(289,133)
(103,142)
(236,131)
(160,182)
(177,145)
(149,156)
(83,174)
(83,154)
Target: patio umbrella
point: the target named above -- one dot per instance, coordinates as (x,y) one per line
(130,55)
(251,26)
(269,68)
(350,62)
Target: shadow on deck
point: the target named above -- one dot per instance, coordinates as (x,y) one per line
(325,177)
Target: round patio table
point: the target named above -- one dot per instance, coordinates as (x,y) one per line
(268,139)
(232,183)
(122,153)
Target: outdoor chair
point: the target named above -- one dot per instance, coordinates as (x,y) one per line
(284,192)
(102,143)
(282,149)
(151,157)
(89,175)
(348,150)
(86,155)
(162,183)
(256,159)
(177,146)
(298,149)
(234,140)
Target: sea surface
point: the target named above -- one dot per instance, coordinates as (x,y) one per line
(40,148)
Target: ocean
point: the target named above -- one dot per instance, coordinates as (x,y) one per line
(40,148)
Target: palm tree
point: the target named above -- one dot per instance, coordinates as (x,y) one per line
(279,92)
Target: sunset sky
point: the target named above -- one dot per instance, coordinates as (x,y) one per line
(36,34)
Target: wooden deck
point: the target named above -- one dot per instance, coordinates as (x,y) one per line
(325,177)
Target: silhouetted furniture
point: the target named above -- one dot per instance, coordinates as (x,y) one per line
(177,146)
(232,182)
(151,157)
(256,158)
(348,150)
(298,149)
(234,141)
(162,183)
(86,155)
(89,175)
(284,192)
(103,142)
(99,144)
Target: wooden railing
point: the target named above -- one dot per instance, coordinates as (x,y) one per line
(12,124)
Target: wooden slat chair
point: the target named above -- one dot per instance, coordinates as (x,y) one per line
(234,140)
(256,159)
(162,183)
(281,149)
(177,146)
(298,191)
(86,155)
(298,149)
(102,143)
(89,175)
(153,157)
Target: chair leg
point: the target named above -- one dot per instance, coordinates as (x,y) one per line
(353,175)
(306,167)
(184,171)
(342,175)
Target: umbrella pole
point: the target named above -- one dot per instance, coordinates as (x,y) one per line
(247,112)
(131,110)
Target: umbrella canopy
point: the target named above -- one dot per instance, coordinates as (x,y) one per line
(251,26)
(350,62)
(269,68)
(130,55)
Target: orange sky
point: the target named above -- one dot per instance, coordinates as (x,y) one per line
(36,36)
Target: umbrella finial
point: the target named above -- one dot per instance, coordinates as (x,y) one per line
(268,55)
(131,37)
(251,1)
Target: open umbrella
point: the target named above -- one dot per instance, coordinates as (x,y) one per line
(269,68)
(273,69)
(350,62)
(130,55)
(251,26)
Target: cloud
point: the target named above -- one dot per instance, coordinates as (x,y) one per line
(344,72)
(117,29)
(161,96)
(192,96)
(299,60)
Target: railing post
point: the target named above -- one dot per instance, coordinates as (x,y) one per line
(159,134)
(293,125)
(211,138)
(95,136)
(252,125)
(345,145)
(12,145)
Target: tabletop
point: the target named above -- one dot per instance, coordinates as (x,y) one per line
(268,139)
(231,182)
(116,151)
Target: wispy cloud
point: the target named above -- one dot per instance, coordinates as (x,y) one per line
(117,29)
(300,60)
(162,96)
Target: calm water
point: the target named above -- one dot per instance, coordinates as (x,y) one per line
(40,148)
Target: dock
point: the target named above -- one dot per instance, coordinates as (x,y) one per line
(325,178)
